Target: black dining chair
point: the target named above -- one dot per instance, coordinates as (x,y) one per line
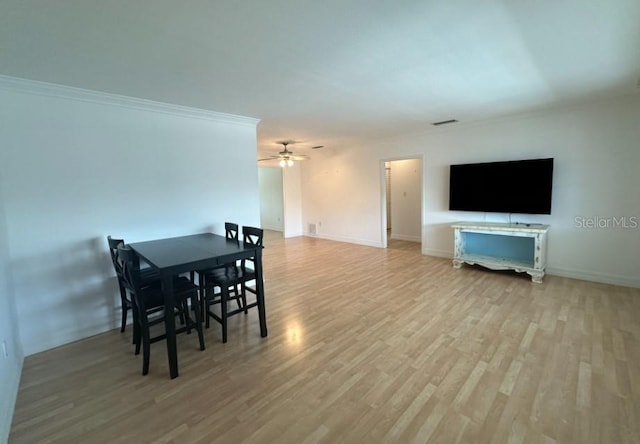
(125,303)
(149,300)
(147,275)
(231,233)
(229,283)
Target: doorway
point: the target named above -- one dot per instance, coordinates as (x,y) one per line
(402,207)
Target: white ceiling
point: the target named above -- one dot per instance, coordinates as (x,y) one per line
(333,71)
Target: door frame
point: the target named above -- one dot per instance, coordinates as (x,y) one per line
(383,197)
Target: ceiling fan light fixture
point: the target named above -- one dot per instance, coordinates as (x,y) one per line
(287,158)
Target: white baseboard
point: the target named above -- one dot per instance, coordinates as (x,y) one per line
(405,237)
(272,227)
(347,239)
(39,343)
(624,281)
(437,253)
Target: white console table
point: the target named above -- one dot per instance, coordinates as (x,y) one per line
(500,246)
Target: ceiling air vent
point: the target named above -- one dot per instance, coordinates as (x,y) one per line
(444,122)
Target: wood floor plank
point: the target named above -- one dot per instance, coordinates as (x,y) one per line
(365,345)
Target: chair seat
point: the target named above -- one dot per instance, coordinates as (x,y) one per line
(149,278)
(148,275)
(182,288)
(228,275)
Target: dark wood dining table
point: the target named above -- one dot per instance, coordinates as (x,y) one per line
(183,254)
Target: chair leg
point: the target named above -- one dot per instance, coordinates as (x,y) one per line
(137,352)
(185,312)
(224,293)
(146,345)
(146,354)
(207,307)
(125,308)
(196,309)
(201,292)
(136,327)
(182,315)
(237,295)
(243,287)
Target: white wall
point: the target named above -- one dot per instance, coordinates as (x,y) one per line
(406,199)
(342,194)
(271,200)
(281,199)
(293,206)
(596,175)
(11,364)
(78,166)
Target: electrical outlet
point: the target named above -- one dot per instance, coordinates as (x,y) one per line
(5,352)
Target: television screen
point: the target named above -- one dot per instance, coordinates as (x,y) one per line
(521,186)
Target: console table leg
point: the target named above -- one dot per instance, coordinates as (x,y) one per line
(457,264)
(537,277)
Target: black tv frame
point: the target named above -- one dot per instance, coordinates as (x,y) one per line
(514,187)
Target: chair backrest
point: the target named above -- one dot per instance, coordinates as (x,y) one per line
(231,230)
(252,235)
(131,275)
(113,249)
(130,265)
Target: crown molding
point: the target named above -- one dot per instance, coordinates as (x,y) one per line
(84,95)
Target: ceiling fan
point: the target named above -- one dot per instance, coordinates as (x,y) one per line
(287,157)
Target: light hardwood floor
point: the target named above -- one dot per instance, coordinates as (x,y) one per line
(365,345)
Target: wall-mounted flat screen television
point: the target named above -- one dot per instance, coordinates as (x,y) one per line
(520,186)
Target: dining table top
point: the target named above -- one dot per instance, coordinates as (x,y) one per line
(187,253)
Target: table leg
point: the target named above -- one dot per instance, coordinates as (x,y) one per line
(260,296)
(170,324)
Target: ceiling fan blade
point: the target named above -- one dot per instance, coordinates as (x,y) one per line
(287,155)
(286,142)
